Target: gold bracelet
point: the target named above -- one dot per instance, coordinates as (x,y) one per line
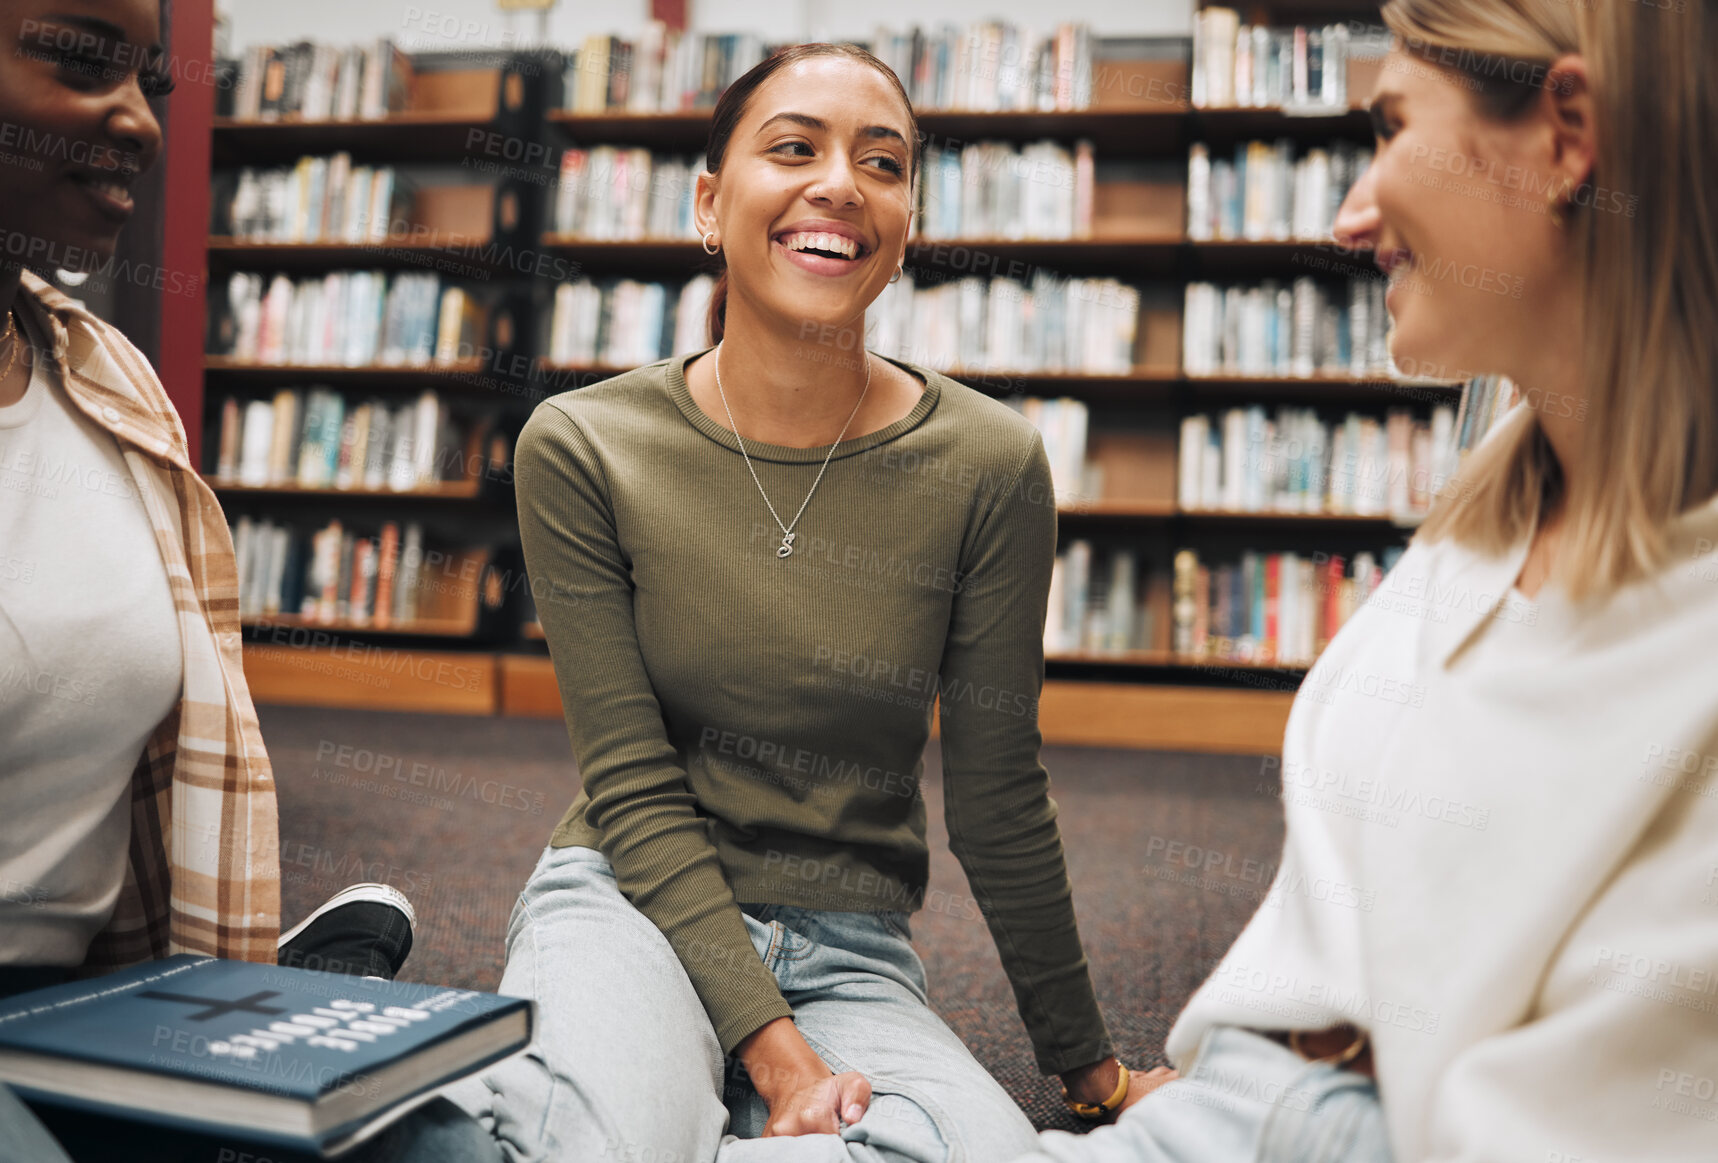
(1097,1110)
(1339,1059)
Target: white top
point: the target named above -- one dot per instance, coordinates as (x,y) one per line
(1502,860)
(90,663)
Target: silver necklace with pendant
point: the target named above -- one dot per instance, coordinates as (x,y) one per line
(787,533)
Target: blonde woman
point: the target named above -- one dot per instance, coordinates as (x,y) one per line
(1536,978)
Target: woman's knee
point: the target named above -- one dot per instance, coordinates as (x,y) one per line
(901,1130)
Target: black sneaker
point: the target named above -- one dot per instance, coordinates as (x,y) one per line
(364,930)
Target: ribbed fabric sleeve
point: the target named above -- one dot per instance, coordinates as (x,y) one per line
(1001,819)
(751,728)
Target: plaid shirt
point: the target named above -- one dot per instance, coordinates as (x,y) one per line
(204,871)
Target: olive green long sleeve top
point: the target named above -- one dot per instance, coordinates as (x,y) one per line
(750,728)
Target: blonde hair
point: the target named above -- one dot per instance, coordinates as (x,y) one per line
(1648,258)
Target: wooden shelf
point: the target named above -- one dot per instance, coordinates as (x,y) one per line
(1120,510)
(528,688)
(1128,130)
(1215,720)
(1298,11)
(377,678)
(402,375)
(1169,660)
(1324,385)
(423,627)
(1128,256)
(589,372)
(1212,720)
(1125,256)
(682,130)
(1237,256)
(672,257)
(399,137)
(448,254)
(442,490)
(1273,517)
(1235,122)
(1113,130)
(1124,510)
(1140,384)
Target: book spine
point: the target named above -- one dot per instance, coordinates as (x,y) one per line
(1186,578)
(363,580)
(227,458)
(387,562)
(1202,628)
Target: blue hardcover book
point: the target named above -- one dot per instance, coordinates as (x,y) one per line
(308,1060)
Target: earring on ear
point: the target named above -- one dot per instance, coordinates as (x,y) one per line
(1553,204)
(896,277)
(708,249)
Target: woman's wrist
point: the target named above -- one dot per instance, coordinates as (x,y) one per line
(1095,1082)
(778,1059)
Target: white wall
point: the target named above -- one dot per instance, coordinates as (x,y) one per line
(459,24)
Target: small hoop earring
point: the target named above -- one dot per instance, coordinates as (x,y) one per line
(896,277)
(708,249)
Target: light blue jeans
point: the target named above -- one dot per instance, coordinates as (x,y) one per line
(626,1068)
(1245,1099)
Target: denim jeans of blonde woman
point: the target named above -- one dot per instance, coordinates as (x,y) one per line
(626,1068)
(1245,1099)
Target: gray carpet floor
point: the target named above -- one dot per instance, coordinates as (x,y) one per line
(1169,855)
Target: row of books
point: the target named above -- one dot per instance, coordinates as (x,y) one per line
(995,189)
(1063,423)
(1260,608)
(975,324)
(1269,608)
(1483,405)
(329,575)
(991,65)
(988,66)
(318,199)
(1245,461)
(1266,192)
(317,439)
(624,323)
(347,318)
(1255,65)
(1302,329)
(615,193)
(1047,324)
(316,81)
(1105,603)
(659,71)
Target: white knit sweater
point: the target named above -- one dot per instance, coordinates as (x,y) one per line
(1502,860)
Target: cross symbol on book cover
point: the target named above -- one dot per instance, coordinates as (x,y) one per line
(219,1008)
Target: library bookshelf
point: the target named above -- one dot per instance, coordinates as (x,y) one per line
(446,219)
(1149,697)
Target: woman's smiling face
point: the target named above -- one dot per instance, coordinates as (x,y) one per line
(814,196)
(75,92)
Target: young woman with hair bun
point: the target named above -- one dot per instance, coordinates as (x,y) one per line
(768,560)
